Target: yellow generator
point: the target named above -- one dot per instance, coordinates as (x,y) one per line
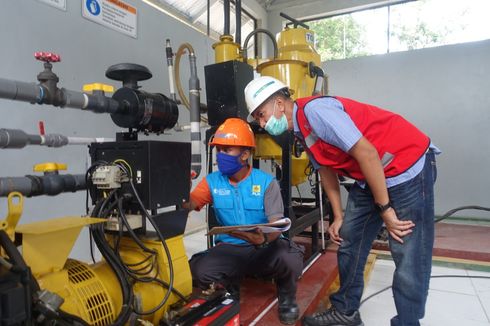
(142,273)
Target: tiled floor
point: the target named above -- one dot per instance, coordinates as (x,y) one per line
(451,301)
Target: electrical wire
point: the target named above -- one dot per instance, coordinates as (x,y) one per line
(457,209)
(434,276)
(167,252)
(147,270)
(114,263)
(444,216)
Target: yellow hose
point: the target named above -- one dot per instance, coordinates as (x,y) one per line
(181,51)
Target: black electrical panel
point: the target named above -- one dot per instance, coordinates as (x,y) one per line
(160,169)
(14,303)
(225,83)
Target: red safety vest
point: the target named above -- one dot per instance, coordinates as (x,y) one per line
(399,143)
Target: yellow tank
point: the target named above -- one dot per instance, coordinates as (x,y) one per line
(226,49)
(296,52)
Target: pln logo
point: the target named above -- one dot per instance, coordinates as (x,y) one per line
(222,192)
(93,7)
(256,190)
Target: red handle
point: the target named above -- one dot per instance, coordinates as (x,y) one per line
(47,56)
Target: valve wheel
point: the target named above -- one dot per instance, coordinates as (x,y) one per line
(47,56)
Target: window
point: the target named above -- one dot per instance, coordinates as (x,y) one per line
(401,27)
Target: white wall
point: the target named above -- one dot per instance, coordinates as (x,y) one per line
(445,92)
(86,49)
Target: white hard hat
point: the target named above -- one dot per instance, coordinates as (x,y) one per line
(259,90)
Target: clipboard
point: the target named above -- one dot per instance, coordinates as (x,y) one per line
(277,226)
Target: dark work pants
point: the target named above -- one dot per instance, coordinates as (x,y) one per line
(227,264)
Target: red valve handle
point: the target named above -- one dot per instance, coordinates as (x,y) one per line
(47,56)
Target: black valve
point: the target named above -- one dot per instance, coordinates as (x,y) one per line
(141,111)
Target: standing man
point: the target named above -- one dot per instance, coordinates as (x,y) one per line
(394,167)
(243,195)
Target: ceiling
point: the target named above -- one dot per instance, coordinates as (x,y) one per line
(195,13)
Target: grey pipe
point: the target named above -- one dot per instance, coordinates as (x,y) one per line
(16,138)
(238,21)
(21,91)
(226,8)
(195,117)
(49,184)
(32,93)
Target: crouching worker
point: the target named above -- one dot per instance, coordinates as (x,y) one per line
(241,195)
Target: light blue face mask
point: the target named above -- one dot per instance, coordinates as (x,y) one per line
(276,126)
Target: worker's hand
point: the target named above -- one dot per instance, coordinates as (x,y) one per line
(396,228)
(255,237)
(333,231)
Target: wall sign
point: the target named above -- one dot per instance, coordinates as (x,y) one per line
(114,14)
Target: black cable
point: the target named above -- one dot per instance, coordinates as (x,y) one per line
(444,216)
(116,266)
(167,252)
(435,276)
(452,211)
(130,230)
(71,319)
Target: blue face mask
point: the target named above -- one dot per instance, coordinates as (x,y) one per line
(228,164)
(276,126)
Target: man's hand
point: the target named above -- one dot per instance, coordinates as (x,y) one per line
(255,237)
(334,229)
(396,228)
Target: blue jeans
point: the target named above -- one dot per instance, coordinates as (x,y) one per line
(412,200)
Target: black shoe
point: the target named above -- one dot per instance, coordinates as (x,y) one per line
(333,317)
(288,309)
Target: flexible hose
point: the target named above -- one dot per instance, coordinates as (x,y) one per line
(193,106)
(178,84)
(256,31)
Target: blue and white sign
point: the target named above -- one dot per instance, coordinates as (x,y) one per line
(93,7)
(115,14)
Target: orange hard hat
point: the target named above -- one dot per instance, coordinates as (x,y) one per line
(234,132)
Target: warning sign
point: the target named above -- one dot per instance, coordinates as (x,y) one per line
(114,14)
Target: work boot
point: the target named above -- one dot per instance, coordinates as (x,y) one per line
(333,317)
(288,309)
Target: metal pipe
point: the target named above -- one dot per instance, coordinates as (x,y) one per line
(295,22)
(16,138)
(50,184)
(195,117)
(320,196)
(170,65)
(226,8)
(238,21)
